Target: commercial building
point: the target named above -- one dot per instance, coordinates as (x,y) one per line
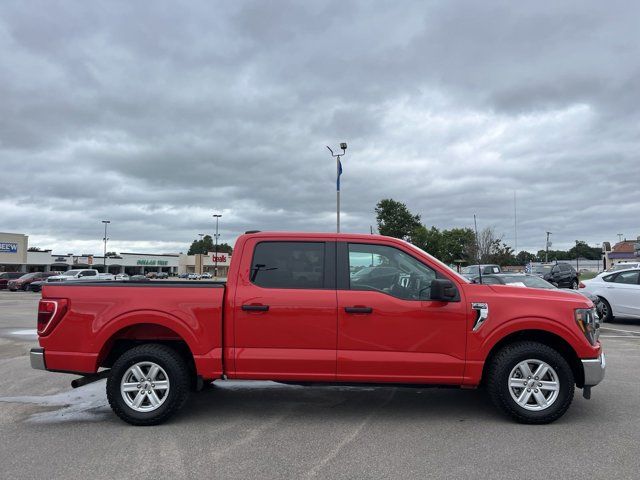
(624,251)
(16,257)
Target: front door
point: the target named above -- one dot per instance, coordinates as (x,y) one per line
(285,321)
(388,328)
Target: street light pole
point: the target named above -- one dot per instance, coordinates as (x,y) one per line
(215,258)
(104,256)
(200,255)
(343,146)
(546,255)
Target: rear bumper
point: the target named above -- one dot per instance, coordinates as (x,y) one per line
(36,355)
(594,369)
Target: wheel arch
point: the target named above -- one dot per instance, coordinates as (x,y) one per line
(542,336)
(134,334)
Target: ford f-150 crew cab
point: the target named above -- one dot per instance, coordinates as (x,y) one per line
(295,309)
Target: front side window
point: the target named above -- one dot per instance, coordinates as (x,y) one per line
(288,265)
(388,270)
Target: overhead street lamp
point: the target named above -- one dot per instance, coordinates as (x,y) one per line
(215,255)
(337,156)
(104,256)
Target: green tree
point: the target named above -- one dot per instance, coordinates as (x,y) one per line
(458,244)
(429,240)
(583,250)
(525,257)
(206,245)
(395,220)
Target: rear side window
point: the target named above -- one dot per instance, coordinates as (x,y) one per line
(288,265)
(89,273)
(630,278)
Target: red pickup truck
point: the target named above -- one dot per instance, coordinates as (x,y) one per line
(326,308)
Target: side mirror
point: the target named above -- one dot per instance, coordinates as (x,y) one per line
(444,290)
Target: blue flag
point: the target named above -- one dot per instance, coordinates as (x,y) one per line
(339,173)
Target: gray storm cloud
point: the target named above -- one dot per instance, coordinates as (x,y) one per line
(156,117)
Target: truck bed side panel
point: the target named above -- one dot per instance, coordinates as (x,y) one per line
(98,314)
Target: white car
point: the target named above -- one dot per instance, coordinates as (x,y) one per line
(81,275)
(207,275)
(122,277)
(194,276)
(619,291)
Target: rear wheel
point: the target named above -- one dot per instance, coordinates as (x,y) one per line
(148,384)
(531,382)
(574,284)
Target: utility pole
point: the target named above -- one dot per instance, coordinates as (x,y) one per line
(215,258)
(343,146)
(546,255)
(104,256)
(619,237)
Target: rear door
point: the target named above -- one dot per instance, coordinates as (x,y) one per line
(285,320)
(393,332)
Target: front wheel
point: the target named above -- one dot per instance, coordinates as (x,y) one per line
(148,384)
(531,382)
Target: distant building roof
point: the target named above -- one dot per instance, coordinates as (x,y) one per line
(627,246)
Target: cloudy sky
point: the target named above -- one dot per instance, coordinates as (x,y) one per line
(156,115)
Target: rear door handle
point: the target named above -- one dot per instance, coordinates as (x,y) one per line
(255,308)
(358,309)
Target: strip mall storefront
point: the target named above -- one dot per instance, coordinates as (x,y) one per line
(15,257)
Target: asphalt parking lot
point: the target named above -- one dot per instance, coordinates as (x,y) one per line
(268,430)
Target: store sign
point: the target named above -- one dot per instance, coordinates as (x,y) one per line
(153,263)
(60,260)
(219,258)
(8,247)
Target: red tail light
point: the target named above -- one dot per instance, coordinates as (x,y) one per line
(50,312)
(582,285)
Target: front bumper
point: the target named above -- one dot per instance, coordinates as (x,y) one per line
(594,369)
(36,355)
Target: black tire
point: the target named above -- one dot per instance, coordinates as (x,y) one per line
(574,284)
(25,287)
(178,375)
(607,315)
(498,381)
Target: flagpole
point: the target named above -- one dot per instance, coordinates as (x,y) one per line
(343,146)
(338,193)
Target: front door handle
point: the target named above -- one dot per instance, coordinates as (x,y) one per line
(255,308)
(358,309)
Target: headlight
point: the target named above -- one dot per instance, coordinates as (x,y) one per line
(587,320)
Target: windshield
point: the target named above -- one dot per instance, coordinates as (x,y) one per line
(527,280)
(473,270)
(70,273)
(541,268)
(623,266)
(27,276)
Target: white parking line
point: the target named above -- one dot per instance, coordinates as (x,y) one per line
(619,336)
(635,332)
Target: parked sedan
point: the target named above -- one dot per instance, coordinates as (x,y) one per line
(534,281)
(24,282)
(6,276)
(619,292)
